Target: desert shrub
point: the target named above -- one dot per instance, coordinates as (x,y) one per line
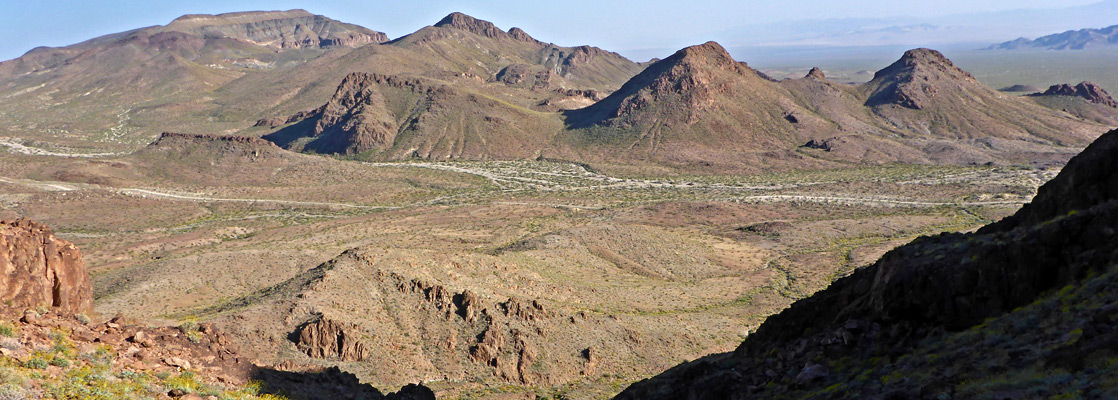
(36,363)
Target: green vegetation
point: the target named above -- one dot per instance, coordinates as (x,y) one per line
(91,376)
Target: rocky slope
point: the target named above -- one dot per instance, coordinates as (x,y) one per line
(700,107)
(394,117)
(99,85)
(281,29)
(41,270)
(1069,40)
(1018,309)
(698,104)
(49,344)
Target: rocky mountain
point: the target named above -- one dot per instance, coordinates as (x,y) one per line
(397,117)
(926,94)
(1069,40)
(1087,90)
(459,50)
(279,30)
(1018,309)
(41,270)
(138,83)
(689,107)
(700,107)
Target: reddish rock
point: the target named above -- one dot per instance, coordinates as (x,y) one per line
(1087,90)
(42,270)
(328,338)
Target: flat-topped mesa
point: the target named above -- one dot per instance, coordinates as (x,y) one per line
(467,23)
(282,29)
(206,137)
(1087,90)
(194,20)
(41,270)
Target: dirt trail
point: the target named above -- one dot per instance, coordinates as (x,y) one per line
(16,147)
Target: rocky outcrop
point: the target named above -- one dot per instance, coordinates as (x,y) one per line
(946,309)
(41,270)
(326,338)
(519,34)
(1087,90)
(167,137)
(473,25)
(294,29)
(816,73)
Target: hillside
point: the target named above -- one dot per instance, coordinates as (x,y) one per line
(1069,40)
(120,90)
(1020,308)
(460,52)
(700,108)
(394,117)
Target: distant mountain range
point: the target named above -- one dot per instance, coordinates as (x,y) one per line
(1070,40)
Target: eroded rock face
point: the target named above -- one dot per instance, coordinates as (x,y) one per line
(327,338)
(1087,90)
(42,270)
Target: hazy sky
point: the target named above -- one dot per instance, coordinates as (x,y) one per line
(634,28)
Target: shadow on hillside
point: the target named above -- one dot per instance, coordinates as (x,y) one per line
(332,384)
(289,134)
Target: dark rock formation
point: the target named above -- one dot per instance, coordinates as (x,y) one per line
(1087,90)
(906,315)
(514,74)
(519,34)
(815,73)
(331,383)
(41,270)
(1019,89)
(327,338)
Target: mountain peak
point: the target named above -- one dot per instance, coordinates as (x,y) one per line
(916,78)
(709,51)
(924,55)
(467,23)
(816,73)
(520,35)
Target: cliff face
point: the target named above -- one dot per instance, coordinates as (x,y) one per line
(944,315)
(278,29)
(41,269)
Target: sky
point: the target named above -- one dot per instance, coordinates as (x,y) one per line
(638,29)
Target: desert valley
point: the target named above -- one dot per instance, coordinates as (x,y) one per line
(282,205)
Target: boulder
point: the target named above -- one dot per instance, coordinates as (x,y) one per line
(41,270)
